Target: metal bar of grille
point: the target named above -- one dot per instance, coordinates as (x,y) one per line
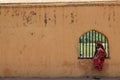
(83,46)
(98,36)
(92,43)
(103,41)
(95,36)
(95,40)
(101,37)
(79,46)
(86,45)
(89,44)
(105,44)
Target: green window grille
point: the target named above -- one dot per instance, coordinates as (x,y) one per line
(86,45)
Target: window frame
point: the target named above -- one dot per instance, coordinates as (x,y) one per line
(100,38)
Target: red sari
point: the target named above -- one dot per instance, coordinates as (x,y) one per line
(99,59)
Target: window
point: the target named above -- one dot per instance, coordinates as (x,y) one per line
(86,45)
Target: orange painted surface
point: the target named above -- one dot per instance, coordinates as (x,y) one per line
(42,41)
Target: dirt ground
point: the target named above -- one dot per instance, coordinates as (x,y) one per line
(93,78)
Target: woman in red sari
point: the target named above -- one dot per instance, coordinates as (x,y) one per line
(99,56)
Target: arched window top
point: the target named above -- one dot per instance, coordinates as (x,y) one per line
(86,45)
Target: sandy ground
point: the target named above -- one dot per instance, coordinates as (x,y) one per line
(59,78)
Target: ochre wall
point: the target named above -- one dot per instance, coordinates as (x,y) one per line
(42,41)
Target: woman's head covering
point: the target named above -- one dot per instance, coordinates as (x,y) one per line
(99,45)
(99,42)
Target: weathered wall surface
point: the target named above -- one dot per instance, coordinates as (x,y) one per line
(42,41)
